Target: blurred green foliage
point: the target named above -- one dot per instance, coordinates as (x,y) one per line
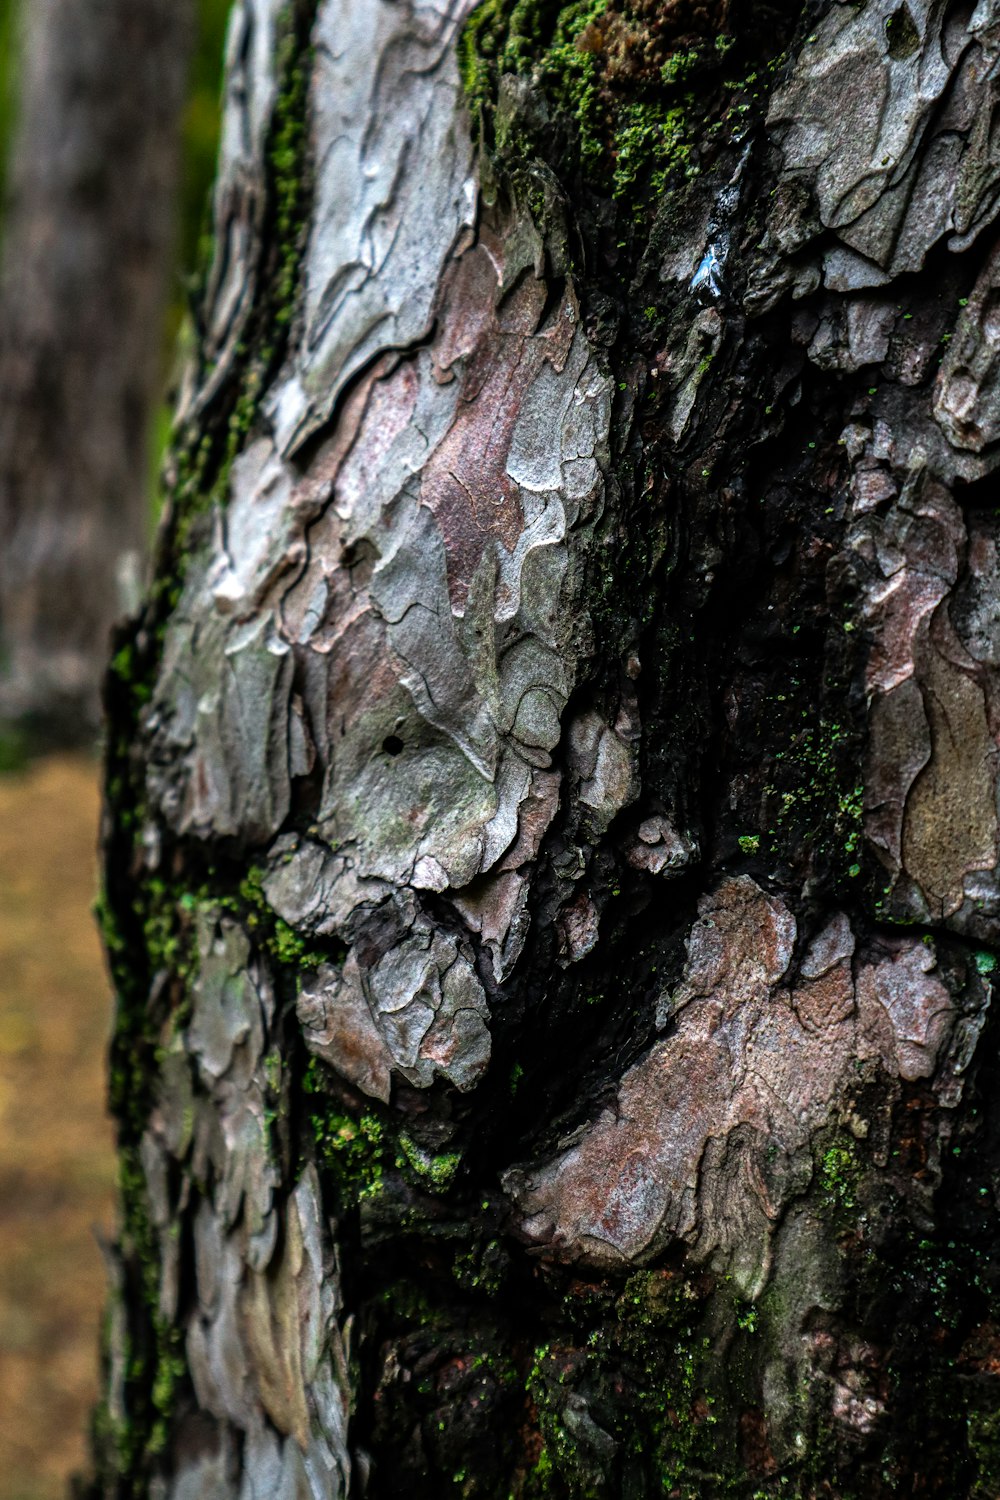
(200,137)
(8,75)
(201,126)
(200,123)
(200,141)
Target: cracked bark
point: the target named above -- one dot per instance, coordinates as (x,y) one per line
(552,786)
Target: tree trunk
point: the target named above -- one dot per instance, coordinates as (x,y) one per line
(552,807)
(89,231)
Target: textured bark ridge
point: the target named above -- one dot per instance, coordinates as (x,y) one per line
(552,827)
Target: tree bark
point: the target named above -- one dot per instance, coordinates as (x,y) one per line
(89,229)
(552,799)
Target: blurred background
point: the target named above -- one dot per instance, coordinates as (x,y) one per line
(109,120)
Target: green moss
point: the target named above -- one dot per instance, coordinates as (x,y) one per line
(354,1149)
(819,800)
(200,126)
(155,938)
(667,1425)
(355,1152)
(548,1384)
(203,471)
(125,667)
(359,1151)
(483,1269)
(838,1174)
(984,1444)
(287,163)
(269,931)
(747,1315)
(436,1173)
(628,137)
(647,1344)
(406,1303)
(653,1301)
(166,913)
(155,1367)
(505,36)
(650,141)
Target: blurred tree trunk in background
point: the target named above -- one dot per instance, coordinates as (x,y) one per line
(552,835)
(88,237)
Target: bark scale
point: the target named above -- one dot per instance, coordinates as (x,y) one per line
(88,236)
(552,823)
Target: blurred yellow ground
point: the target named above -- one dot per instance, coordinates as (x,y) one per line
(56,1163)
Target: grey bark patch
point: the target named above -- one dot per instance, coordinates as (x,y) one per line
(422,575)
(272,1339)
(888,147)
(394,193)
(417,1010)
(967,391)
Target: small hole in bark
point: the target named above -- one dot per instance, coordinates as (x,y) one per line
(392,744)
